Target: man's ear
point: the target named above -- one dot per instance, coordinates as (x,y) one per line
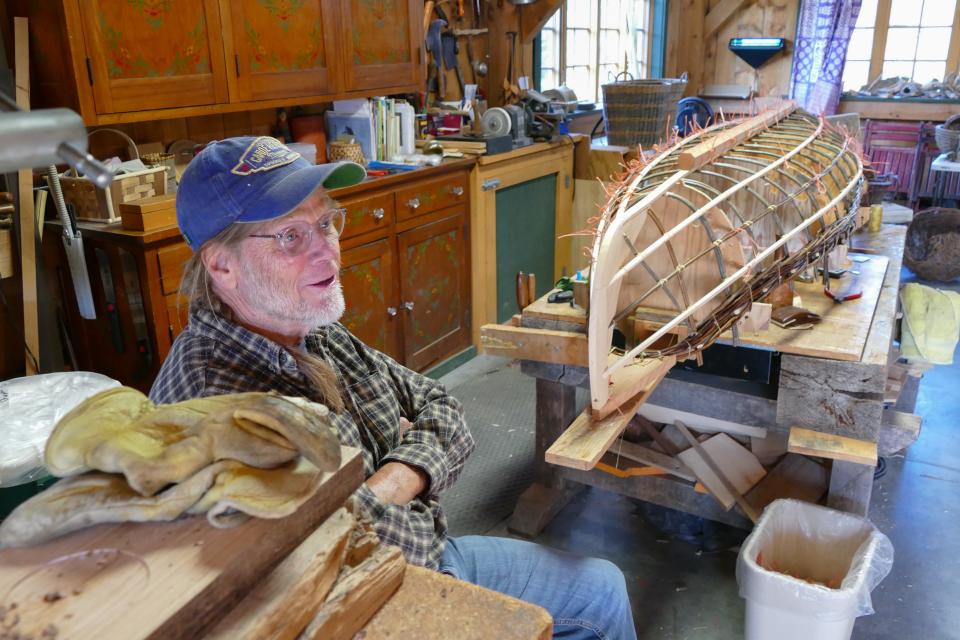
(221,264)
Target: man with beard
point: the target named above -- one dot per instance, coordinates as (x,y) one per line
(264,293)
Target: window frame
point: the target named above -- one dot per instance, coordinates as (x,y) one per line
(647,57)
(882,25)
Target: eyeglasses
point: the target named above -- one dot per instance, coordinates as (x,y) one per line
(296,237)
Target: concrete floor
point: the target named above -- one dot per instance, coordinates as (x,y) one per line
(678,590)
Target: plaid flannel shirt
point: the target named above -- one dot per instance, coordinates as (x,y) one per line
(214,356)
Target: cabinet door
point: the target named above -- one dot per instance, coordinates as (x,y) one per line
(153,54)
(382,43)
(435,289)
(369,277)
(278,49)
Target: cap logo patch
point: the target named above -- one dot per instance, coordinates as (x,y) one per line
(263,154)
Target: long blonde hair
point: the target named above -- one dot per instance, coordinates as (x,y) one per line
(196,287)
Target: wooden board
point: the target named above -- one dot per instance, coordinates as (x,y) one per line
(827,445)
(432,606)
(28,221)
(358,595)
(794,477)
(586,440)
(158,580)
(638,378)
(842,333)
(543,345)
(709,150)
(740,467)
(666,415)
(285,602)
(897,431)
(662,461)
(544,310)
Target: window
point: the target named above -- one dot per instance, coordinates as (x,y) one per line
(584,44)
(906,38)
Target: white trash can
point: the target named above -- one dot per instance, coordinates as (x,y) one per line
(807,571)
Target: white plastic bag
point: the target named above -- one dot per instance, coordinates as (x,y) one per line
(807,571)
(29,409)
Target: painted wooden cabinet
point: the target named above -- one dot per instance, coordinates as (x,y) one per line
(435,288)
(153,55)
(279,49)
(132,60)
(406,281)
(382,47)
(369,279)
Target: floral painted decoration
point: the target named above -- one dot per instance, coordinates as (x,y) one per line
(152,10)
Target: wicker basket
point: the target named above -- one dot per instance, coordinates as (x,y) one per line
(91,203)
(346,151)
(947,135)
(640,111)
(96,205)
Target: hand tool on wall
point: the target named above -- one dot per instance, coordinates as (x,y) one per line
(477,68)
(435,47)
(511,92)
(427,14)
(450,61)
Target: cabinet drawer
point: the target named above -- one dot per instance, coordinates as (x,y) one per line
(171,261)
(367,214)
(431,195)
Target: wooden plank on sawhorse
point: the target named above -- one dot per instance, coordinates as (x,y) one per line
(543,345)
(828,445)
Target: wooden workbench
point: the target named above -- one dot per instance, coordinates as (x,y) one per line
(831,379)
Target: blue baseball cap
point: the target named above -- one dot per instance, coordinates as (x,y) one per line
(250,179)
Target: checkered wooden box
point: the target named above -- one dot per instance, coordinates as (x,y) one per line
(104,206)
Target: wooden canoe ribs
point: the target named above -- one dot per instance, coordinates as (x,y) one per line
(710,225)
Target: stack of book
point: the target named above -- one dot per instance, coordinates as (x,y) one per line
(383,127)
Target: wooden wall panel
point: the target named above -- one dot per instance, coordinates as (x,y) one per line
(714,63)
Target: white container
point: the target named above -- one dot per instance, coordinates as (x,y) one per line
(785,566)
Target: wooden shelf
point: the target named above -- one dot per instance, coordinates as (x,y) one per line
(894,109)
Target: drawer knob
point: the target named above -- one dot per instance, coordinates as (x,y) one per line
(413,203)
(457,191)
(391,311)
(408,305)
(378,213)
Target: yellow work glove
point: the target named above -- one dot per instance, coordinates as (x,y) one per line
(228,492)
(122,431)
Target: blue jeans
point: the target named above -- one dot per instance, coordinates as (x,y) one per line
(587,597)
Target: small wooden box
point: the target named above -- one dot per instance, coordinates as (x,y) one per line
(98,205)
(150,213)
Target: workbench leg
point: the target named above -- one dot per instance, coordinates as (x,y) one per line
(537,506)
(850,487)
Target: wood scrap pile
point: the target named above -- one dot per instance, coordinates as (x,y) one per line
(741,471)
(899,87)
(329,587)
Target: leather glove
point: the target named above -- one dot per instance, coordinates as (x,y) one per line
(122,431)
(228,492)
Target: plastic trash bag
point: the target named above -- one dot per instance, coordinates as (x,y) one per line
(30,407)
(815,563)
